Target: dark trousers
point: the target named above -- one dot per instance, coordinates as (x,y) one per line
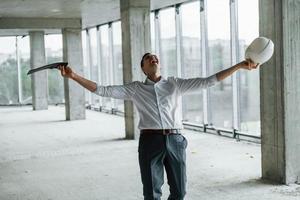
(157,152)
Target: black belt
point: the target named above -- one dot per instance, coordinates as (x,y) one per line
(161,131)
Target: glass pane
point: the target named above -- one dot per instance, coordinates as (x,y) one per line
(93,63)
(191,60)
(117,56)
(218,22)
(168,42)
(85,61)
(53,46)
(249,92)
(8,71)
(105,62)
(83,39)
(152,27)
(24,52)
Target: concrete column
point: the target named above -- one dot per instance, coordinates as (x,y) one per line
(280,92)
(74,93)
(135,23)
(39,80)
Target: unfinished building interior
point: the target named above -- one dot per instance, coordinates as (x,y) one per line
(61,141)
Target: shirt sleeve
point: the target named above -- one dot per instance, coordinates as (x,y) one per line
(117,91)
(194,84)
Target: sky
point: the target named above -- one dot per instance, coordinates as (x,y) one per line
(217,16)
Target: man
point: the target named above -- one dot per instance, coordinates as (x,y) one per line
(161,143)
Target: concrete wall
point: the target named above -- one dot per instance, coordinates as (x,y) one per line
(39,80)
(74,93)
(280,91)
(135,24)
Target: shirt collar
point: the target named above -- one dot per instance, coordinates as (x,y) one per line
(149,82)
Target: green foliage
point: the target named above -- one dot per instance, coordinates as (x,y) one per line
(9,81)
(26,80)
(55,83)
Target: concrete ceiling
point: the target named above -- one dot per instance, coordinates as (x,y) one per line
(40,8)
(91,12)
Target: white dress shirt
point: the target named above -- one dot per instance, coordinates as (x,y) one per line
(158,104)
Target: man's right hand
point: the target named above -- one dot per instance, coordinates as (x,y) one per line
(67,72)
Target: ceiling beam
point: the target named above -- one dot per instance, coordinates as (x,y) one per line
(39,23)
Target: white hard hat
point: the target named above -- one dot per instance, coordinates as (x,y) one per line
(260,50)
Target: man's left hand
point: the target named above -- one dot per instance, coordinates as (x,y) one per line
(248,64)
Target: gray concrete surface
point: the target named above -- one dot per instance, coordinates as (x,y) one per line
(42,156)
(19,17)
(136,40)
(74,93)
(280,91)
(39,80)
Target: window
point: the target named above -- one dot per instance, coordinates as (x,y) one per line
(93,68)
(152,29)
(220,96)
(191,60)
(168,42)
(117,60)
(24,54)
(53,50)
(86,61)
(105,62)
(8,71)
(249,80)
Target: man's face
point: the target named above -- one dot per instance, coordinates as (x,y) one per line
(150,64)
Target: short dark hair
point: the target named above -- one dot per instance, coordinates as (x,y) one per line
(142,61)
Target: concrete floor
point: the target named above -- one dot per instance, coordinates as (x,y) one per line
(44,157)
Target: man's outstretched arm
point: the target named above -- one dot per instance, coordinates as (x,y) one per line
(68,73)
(194,84)
(114,91)
(246,64)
